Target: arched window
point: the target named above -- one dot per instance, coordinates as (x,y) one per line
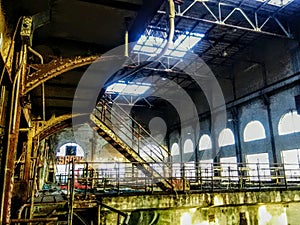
(175,149)
(188,146)
(204,142)
(229,169)
(289,123)
(254,130)
(291,160)
(259,168)
(226,138)
(206,167)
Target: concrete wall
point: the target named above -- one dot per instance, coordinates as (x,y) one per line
(265,63)
(233,208)
(86,138)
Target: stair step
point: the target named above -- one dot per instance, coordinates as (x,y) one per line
(128,152)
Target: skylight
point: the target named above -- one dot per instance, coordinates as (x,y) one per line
(276,2)
(128,88)
(152,45)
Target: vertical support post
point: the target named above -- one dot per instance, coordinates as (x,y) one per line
(266,100)
(258,174)
(93,146)
(229,176)
(99,215)
(43,101)
(272,138)
(284,175)
(118,219)
(126,37)
(118,176)
(34,183)
(71,200)
(237,136)
(13,135)
(212,176)
(169,166)
(197,153)
(183,176)
(139,138)
(4,147)
(86,177)
(126,43)
(27,165)
(236,132)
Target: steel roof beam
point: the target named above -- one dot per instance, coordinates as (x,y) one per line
(255,26)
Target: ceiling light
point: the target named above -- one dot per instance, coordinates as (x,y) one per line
(225,53)
(117,87)
(276,2)
(127,89)
(151,45)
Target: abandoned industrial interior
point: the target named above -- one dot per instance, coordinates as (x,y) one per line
(150,112)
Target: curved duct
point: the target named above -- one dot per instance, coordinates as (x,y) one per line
(172,28)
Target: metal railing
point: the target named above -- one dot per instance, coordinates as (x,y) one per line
(132,133)
(124,177)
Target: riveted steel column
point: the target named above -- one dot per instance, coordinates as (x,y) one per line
(27,165)
(15,117)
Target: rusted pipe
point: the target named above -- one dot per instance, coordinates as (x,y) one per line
(34,220)
(126,43)
(43,84)
(35,165)
(9,49)
(8,167)
(15,92)
(172,28)
(99,215)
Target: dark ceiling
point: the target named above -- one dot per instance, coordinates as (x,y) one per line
(89,27)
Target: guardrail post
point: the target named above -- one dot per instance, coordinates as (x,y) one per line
(258,175)
(229,177)
(71,199)
(212,175)
(284,176)
(118,177)
(99,215)
(183,177)
(86,179)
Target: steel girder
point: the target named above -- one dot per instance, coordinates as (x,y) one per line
(44,72)
(54,124)
(223,18)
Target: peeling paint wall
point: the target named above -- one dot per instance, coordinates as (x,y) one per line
(266,62)
(242,208)
(94,146)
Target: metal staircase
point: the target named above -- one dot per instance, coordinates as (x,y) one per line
(136,144)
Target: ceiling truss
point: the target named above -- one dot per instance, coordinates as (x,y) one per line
(225,12)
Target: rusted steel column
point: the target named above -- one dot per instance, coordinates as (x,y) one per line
(99,215)
(14,126)
(29,148)
(9,170)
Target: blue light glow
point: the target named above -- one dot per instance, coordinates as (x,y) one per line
(128,89)
(151,45)
(277,2)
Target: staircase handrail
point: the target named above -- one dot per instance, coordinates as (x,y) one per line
(137,123)
(129,137)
